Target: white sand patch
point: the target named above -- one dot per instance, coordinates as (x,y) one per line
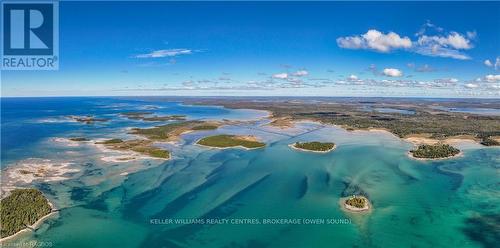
(66,142)
(27,171)
(119,158)
(44,170)
(57,119)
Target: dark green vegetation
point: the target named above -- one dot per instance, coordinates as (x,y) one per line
(204,127)
(435,151)
(489,142)
(315,146)
(87,119)
(147,116)
(356,201)
(173,130)
(78,139)
(23,207)
(165,132)
(110,141)
(350,113)
(152,151)
(141,146)
(225,140)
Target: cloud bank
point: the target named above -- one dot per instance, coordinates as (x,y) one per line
(447,45)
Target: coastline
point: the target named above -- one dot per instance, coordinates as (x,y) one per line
(419,139)
(38,223)
(416,139)
(305,150)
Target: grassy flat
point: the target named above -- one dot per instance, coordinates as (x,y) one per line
(141,146)
(173,130)
(435,151)
(226,141)
(204,127)
(315,146)
(110,141)
(23,207)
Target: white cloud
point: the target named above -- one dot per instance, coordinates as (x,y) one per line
(301,73)
(351,42)
(444,44)
(497,63)
(452,40)
(165,53)
(447,46)
(488,63)
(352,77)
(492,78)
(375,40)
(471,86)
(281,76)
(392,72)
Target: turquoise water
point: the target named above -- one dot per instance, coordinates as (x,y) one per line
(448,203)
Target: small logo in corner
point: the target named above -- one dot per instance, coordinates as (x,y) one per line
(30,35)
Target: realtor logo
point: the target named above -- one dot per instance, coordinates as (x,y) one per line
(30,35)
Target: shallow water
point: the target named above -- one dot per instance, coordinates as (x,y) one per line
(448,203)
(478,111)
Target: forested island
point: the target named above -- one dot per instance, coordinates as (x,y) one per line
(437,151)
(227,141)
(21,209)
(356,203)
(314,146)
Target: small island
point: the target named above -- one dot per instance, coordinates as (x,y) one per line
(78,139)
(23,209)
(144,147)
(356,203)
(87,119)
(315,146)
(227,141)
(436,151)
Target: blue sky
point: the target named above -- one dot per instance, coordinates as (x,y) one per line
(434,49)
